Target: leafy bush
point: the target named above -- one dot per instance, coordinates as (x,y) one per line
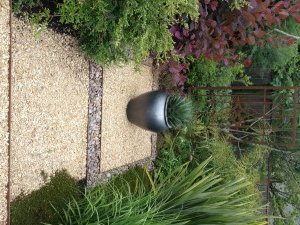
(274,57)
(114,30)
(206,72)
(270,57)
(220,30)
(174,149)
(181,198)
(109,29)
(288,75)
(227,164)
(36,207)
(177,148)
(20,5)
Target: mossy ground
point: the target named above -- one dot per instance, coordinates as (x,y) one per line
(38,207)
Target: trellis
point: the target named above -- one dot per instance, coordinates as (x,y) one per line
(251,115)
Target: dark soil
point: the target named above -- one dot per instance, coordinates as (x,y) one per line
(54,23)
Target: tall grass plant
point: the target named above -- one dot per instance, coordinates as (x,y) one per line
(182,197)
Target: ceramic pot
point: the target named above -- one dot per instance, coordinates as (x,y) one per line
(149,111)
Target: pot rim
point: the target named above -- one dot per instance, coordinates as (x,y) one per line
(166,112)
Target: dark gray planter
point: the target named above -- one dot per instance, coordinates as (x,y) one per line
(149,111)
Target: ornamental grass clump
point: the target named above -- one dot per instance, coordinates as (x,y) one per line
(198,197)
(179,111)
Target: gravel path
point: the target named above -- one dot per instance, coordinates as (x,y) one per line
(114,144)
(49,108)
(122,142)
(68,113)
(4,103)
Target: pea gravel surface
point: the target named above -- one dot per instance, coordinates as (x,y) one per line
(122,142)
(4,104)
(50,80)
(68,113)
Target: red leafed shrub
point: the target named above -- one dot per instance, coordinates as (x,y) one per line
(219,30)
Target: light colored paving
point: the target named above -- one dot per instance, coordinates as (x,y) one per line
(49,108)
(4,103)
(122,142)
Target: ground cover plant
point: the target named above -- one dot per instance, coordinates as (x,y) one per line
(46,204)
(36,207)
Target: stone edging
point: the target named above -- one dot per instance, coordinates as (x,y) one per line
(94,123)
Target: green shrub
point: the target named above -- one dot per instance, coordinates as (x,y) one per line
(177,148)
(206,72)
(36,207)
(174,149)
(19,5)
(108,30)
(181,198)
(111,31)
(226,163)
(288,74)
(271,57)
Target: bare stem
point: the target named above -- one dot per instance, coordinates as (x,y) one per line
(287,34)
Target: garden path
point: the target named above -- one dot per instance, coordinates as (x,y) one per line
(49,108)
(50,119)
(4,104)
(122,142)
